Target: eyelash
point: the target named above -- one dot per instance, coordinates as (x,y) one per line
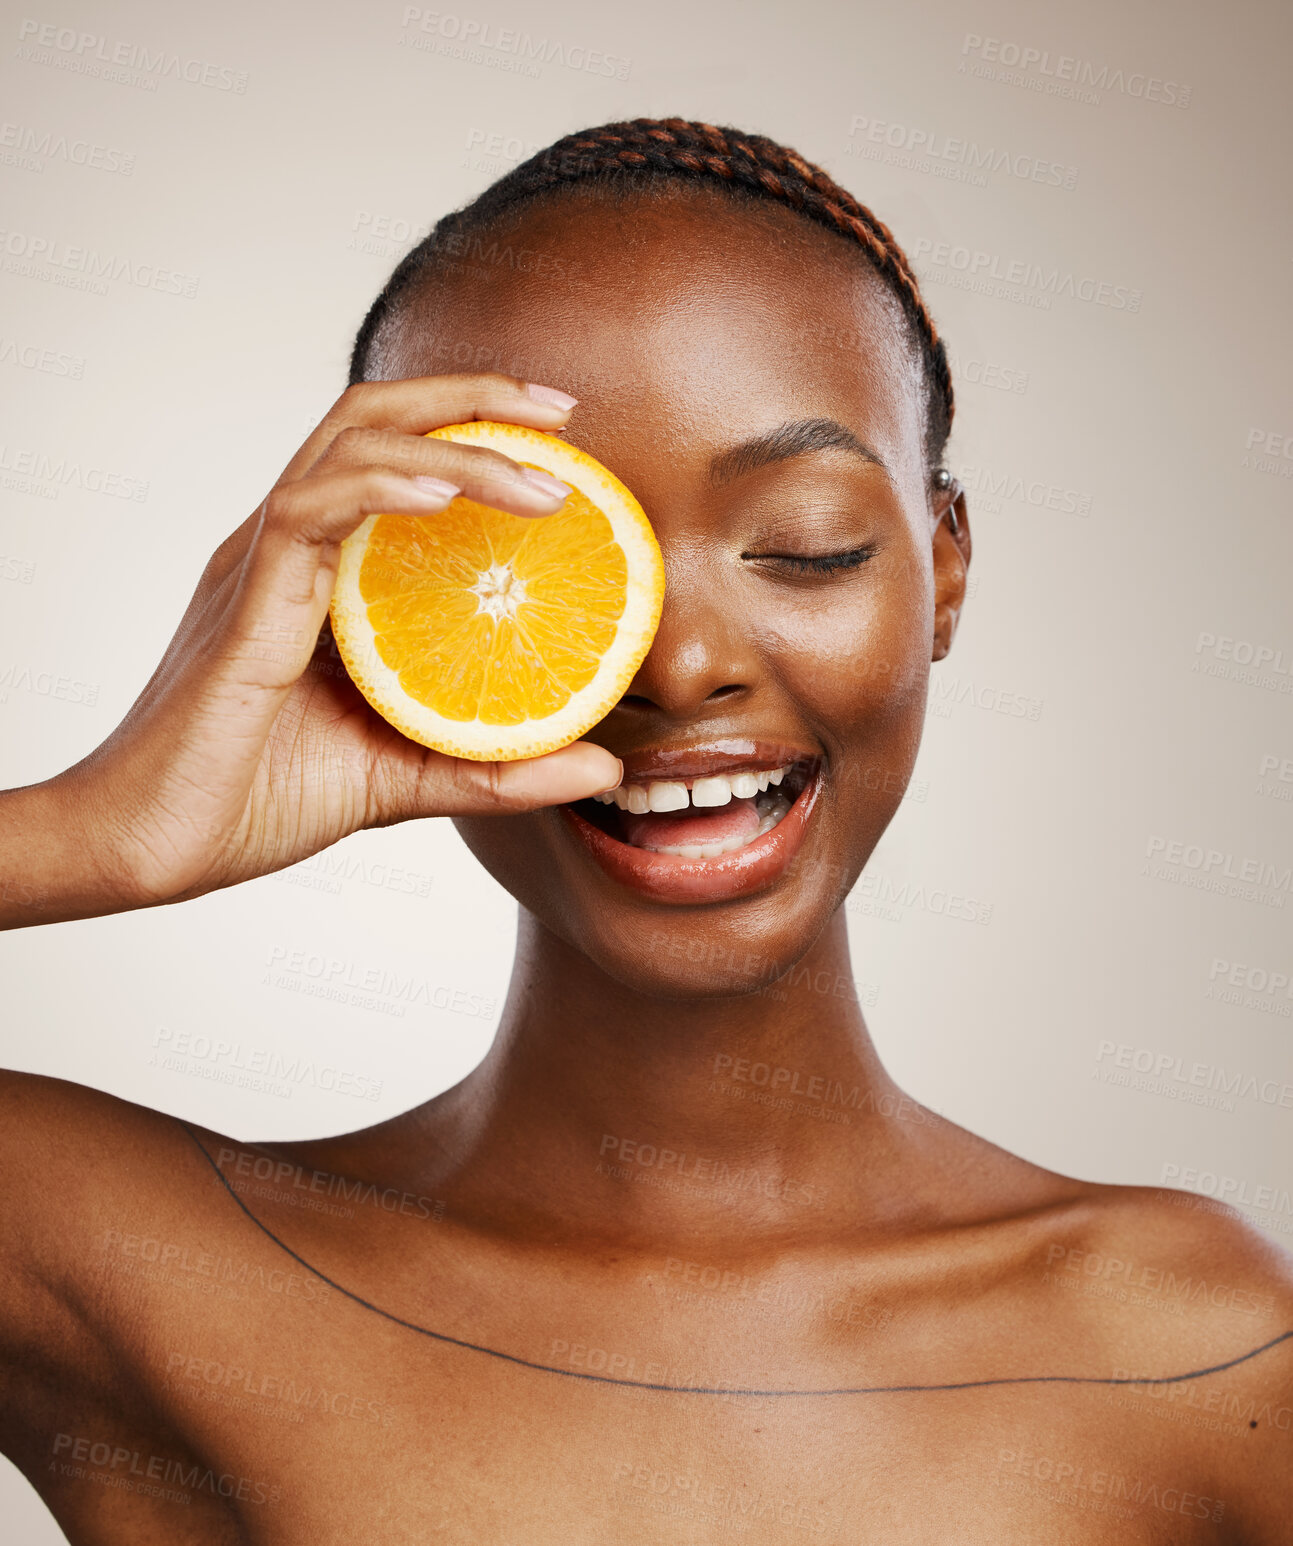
(827,563)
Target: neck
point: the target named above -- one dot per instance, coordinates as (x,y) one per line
(602,1110)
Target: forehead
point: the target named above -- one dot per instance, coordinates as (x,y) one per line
(677,306)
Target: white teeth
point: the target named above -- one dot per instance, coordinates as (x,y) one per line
(712,791)
(666,796)
(674,795)
(704,793)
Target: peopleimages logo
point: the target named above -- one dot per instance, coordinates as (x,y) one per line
(1269,450)
(1264,657)
(917,146)
(1238,1192)
(47,684)
(21,145)
(87,53)
(877,894)
(1106,1491)
(995,485)
(44,472)
(86,268)
(232,1062)
(1167,1069)
(991,273)
(1216,869)
(39,357)
(134,1470)
(1255,979)
(1064,74)
(469,34)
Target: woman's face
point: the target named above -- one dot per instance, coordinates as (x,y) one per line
(751,381)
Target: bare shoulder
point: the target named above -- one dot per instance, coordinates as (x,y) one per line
(1179,1247)
(97,1194)
(1196,1259)
(79,1171)
(1184,1309)
(61,1144)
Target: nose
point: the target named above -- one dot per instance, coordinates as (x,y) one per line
(702,655)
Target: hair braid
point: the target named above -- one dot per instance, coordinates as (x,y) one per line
(679,149)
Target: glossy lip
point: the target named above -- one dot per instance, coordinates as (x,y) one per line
(683,764)
(670,878)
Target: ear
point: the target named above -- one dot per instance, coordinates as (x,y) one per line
(952,551)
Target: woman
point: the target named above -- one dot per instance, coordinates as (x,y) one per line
(678,1260)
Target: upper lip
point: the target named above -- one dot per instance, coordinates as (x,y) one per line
(729,755)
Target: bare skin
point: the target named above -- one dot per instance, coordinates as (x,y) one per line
(505,1315)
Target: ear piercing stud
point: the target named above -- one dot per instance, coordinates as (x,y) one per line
(943,479)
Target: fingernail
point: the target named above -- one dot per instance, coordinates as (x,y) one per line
(618,780)
(551,396)
(546,483)
(437,486)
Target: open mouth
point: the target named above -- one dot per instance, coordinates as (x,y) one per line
(709,837)
(698,818)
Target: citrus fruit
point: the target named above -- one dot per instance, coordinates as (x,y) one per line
(492,636)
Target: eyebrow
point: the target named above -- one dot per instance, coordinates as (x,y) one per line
(796,438)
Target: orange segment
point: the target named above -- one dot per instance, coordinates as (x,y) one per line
(493,637)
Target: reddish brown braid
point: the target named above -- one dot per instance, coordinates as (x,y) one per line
(679,149)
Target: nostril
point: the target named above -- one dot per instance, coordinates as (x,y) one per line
(661,704)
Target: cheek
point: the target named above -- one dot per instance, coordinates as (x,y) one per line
(505,846)
(856,664)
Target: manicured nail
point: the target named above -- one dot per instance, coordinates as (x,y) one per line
(618,781)
(436,486)
(545,483)
(551,396)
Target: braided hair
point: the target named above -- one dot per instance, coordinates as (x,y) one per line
(633,155)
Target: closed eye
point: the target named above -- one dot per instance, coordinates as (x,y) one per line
(824,563)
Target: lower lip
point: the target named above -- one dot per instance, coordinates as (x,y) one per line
(671,878)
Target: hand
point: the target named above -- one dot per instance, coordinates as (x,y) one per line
(250,748)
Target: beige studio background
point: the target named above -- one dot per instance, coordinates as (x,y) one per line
(1076,937)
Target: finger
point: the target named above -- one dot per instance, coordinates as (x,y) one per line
(227,557)
(412,781)
(413,407)
(281,594)
(423,403)
(370,471)
(482,474)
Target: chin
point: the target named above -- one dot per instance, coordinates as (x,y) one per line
(722,958)
(709,874)
(740,948)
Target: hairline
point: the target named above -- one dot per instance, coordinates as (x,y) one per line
(647,187)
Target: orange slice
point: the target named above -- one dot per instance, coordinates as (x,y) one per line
(494,637)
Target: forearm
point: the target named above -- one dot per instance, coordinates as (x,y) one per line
(54,863)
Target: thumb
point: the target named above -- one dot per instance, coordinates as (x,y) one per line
(454,786)
(573,773)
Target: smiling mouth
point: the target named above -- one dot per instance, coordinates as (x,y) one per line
(711,837)
(698,818)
